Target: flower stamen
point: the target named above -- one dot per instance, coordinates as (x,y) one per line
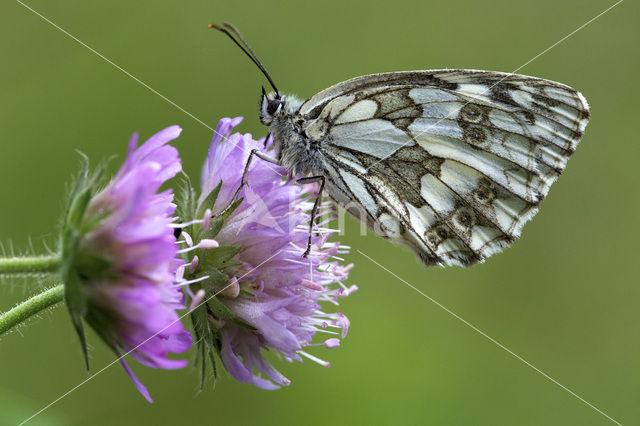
(197,299)
(193,281)
(325,364)
(194,264)
(206,220)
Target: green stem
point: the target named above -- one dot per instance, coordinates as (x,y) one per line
(29,265)
(30,307)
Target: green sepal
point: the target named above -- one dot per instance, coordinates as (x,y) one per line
(207,339)
(243,324)
(80,182)
(73,292)
(77,209)
(90,265)
(216,281)
(196,333)
(84,189)
(90,225)
(220,310)
(185,198)
(103,326)
(218,221)
(234,206)
(76,267)
(206,335)
(214,366)
(214,227)
(200,346)
(77,306)
(78,199)
(216,257)
(209,201)
(231,263)
(246,293)
(106,333)
(203,362)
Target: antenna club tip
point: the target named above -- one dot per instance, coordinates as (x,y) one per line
(213,26)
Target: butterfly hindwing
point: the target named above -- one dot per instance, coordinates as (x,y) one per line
(451,162)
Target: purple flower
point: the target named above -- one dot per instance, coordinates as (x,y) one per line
(274,292)
(132,303)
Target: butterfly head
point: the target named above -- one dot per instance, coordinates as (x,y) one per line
(275,105)
(271,105)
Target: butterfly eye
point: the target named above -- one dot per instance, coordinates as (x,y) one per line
(274,106)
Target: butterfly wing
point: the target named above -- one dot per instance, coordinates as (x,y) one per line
(449,162)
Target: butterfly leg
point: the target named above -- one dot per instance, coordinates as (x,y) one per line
(316,204)
(243,182)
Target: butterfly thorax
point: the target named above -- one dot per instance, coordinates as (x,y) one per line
(294,149)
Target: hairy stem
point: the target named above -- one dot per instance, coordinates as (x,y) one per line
(31,307)
(29,264)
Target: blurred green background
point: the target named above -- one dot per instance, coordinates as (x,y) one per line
(565,297)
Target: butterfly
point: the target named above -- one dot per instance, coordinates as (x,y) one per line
(451,163)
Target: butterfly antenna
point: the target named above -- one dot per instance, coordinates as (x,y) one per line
(236,31)
(244,46)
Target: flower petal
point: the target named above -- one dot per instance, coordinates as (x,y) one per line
(283,294)
(141,388)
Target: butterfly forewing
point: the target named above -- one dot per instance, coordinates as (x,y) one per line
(451,163)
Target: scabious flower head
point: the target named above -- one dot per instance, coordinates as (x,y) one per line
(125,258)
(271,294)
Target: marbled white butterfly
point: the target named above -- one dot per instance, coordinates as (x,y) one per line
(451,162)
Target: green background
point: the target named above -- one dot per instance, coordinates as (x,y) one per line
(565,297)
